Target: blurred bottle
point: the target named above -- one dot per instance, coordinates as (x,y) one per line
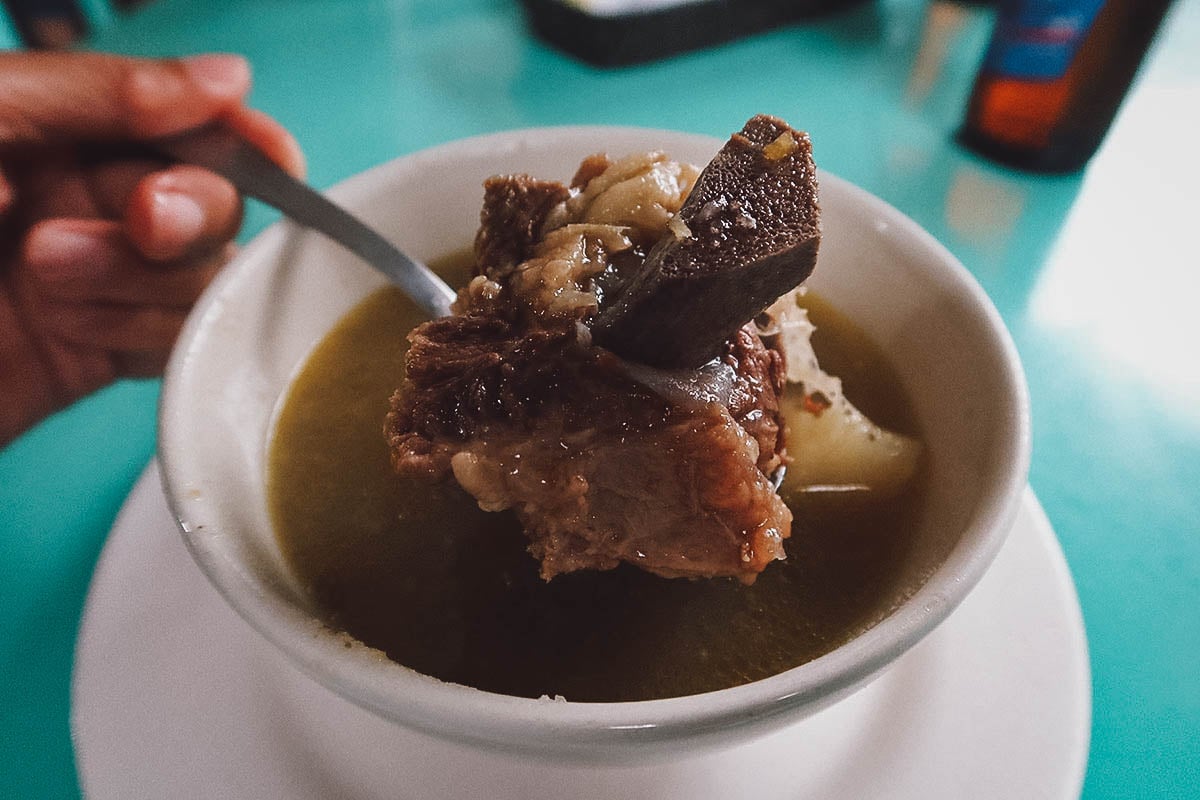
(1053,78)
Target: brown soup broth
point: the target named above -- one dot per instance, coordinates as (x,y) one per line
(421,573)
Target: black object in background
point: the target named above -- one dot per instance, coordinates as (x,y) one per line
(611,40)
(47,24)
(55,24)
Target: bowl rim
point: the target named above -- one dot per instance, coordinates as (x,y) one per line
(468,714)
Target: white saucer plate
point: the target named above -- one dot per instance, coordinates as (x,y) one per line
(175,696)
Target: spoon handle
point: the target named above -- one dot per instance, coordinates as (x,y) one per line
(219,150)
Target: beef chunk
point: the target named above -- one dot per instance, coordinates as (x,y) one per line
(750,233)
(514,210)
(755,396)
(598,467)
(681,499)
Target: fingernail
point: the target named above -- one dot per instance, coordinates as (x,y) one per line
(297,164)
(65,252)
(177,221)
(220,74)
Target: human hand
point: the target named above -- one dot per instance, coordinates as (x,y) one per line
(99,265)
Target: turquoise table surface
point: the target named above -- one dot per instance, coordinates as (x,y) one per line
(9,40)
(1097,275)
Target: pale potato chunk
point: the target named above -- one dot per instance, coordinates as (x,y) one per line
(842,450)
(832,446)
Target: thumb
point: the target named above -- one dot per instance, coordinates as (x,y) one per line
(61,97)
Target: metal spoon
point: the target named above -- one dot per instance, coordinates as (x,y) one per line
(219,150)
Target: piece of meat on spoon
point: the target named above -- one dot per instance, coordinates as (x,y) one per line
(604,459)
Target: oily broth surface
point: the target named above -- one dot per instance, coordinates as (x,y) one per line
(421,573)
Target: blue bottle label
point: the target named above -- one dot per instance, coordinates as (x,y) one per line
(1037,39)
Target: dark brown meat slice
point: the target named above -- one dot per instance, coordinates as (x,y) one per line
(598,468)
(754,229)
(510,224)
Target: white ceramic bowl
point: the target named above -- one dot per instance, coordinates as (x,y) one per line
(256,325)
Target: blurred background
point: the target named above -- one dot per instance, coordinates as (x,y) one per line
(1092,264)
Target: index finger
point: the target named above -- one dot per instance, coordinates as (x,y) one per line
(62,97)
